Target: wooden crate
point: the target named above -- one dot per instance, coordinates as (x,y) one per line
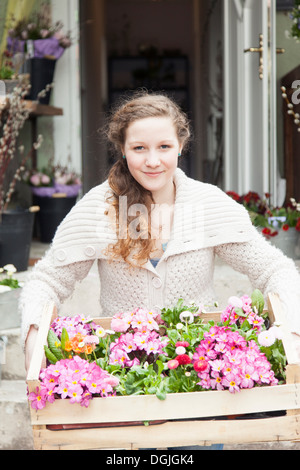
(198,418)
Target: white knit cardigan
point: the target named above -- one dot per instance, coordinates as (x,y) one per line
(206,222)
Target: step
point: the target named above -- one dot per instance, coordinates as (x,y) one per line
(15,427)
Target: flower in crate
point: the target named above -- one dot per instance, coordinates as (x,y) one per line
(132,348)
(73,325)
(139,340)
(245,309)
(75,379)
(138,319)
(233,363)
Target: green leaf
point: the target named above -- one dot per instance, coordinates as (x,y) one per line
(160,366)
(64,338)
(50,356)
(258,300)
(161,394)
(54,345)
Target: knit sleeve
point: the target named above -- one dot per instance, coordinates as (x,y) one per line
(48,283)
(269,270)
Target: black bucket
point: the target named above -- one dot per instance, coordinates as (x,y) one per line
(16,230)
(52,212)
(41,73)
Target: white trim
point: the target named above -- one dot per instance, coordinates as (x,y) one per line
(239,5)
(274,174)
(66,92)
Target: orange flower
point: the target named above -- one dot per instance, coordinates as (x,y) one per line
(68,346)
(77,345)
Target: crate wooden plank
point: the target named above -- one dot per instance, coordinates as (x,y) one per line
(278,316)
(176,406)
(175,433)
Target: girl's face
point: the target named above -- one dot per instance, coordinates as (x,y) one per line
(151,148)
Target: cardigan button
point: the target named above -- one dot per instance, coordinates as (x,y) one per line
(61,255)
(90,251)
(157,283)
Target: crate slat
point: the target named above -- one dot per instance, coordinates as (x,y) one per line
(171,434)
(176,406)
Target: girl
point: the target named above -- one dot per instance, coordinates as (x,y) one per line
(153,231)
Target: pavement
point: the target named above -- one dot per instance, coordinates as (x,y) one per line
(15,428)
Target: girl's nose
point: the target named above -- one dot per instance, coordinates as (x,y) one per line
(153,159)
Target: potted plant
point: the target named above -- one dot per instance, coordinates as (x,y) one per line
(295,17)
(10,288)
(55,190)
(43,43)
(280,225)
(16,225)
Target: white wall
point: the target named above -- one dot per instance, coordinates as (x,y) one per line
(66,92)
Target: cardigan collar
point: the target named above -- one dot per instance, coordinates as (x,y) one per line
(204,216)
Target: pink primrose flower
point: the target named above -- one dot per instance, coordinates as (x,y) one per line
(249,377)
(75,379)
(38,399)
(231,381)
(237,363)
(75,393)
(119,325)
(216,383)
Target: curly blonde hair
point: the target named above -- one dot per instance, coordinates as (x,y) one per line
(141,105)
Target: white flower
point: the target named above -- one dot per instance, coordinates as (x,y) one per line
(10,268)
(186,316)
(180,350)
(100,331)
(109,332)
(179,326)
(266,338)
(276,332)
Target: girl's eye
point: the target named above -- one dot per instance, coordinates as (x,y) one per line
(139,148)
(165,146)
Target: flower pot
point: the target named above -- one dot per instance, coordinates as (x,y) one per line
(8,86)
(288,242)
(10,316)
(16,230)
(41,73)
(52,211)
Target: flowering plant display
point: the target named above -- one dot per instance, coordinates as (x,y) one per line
(7,280)
(49,39)
(13,114)
(54,179)
(7,69)
(263,214)
(295,17)
(146,352)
